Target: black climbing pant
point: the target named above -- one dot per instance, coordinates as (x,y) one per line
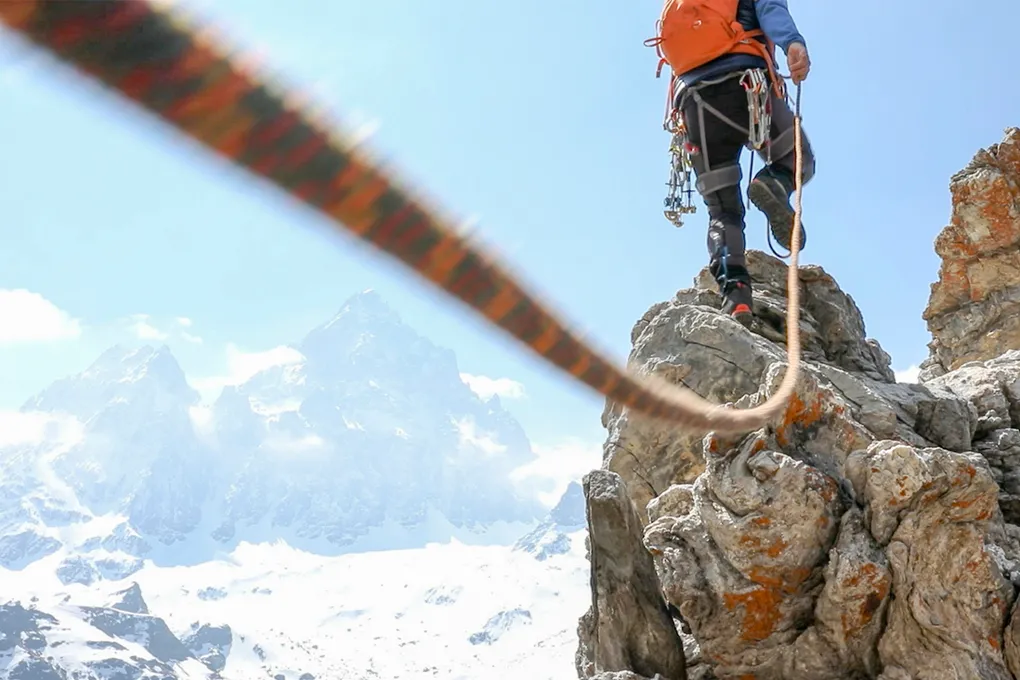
(716,162)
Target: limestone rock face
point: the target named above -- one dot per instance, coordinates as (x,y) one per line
(973,309)
(686,340)
(629,627)
(868,533)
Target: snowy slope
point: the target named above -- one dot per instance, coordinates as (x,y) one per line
(350,515)
(448,611)
(51,638)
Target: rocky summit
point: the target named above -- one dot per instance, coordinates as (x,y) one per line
(873,531)
(972,312)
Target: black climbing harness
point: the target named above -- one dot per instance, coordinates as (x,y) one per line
(679,199)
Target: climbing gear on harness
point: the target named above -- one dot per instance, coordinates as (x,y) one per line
(759,110)
(177,73)
(681,172)
(689,34)
(680,191)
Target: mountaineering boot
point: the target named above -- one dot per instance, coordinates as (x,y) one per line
(737,302)
(734,283)
(770,192)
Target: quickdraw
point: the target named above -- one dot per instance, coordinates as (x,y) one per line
(759,109)
(680,186)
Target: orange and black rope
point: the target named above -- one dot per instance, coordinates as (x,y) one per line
(149,56)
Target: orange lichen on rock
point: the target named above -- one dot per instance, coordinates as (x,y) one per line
(777,547)
(963,502)
(761,611)
(984,218)
(762,603)
(800,415)
(870,586)
(752,541)
(974,295)
(782,580)
(824,485)
(880,590)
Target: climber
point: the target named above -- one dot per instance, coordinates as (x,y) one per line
(730,101)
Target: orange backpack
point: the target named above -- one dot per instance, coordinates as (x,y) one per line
(692,33)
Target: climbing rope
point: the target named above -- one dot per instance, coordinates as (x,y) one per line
(177,72)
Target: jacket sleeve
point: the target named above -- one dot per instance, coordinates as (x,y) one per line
(777,24)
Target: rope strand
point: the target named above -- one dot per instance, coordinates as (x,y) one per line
(183,76)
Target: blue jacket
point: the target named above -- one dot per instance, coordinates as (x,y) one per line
(773,18)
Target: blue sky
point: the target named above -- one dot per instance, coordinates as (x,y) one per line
(539,119)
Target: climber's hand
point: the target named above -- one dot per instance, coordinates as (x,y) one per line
(799,62)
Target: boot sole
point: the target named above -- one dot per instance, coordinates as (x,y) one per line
(779,215)
(743,315)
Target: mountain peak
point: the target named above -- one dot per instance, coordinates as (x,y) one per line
(124,364)
(130,600)
(118,374)
(284,451)
(368,305)
(570,510)
(362,315)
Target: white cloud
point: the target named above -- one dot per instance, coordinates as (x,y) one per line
(908,375)
(144,330)
(34,427)
(556,466)
(482,441)
(29,317)
(485,387)
(242,366)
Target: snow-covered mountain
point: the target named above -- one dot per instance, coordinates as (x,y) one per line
(369,439)
(451,612)
(349,514)
(554,536)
